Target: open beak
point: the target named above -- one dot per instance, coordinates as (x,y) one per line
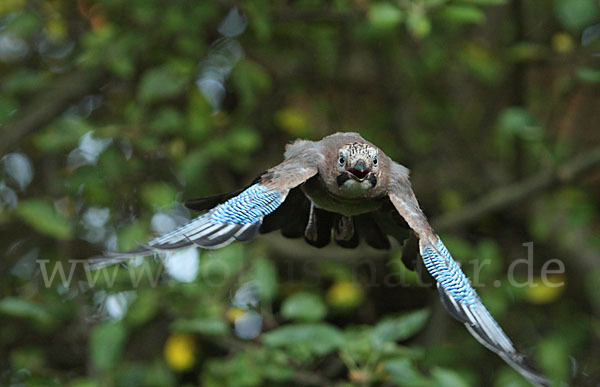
(359,171)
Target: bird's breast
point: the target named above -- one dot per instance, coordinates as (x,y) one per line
(348,206)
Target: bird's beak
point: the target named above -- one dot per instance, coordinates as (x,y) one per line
(359,171)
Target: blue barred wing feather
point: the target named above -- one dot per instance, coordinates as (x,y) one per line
(462,302)
(238,218)
(457,295)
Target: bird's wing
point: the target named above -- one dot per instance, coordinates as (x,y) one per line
(297,217)
(238,218)
(456,292)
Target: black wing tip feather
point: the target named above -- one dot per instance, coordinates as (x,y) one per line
(518,363)
(240,232)
(247,233)
(450,306)
(491,336)
(224,234)
(109,258)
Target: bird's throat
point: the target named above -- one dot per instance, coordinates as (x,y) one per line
(352,188)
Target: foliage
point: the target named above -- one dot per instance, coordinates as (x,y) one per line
(112,113)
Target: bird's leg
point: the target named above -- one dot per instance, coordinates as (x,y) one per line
(311,230)
(344,228)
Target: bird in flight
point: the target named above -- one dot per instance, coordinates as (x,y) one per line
(346,184)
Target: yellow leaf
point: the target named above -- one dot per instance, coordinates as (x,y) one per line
(562,43)
(345,295)
(56,28)
(546,291)
(234,313)
(10,6)
(180,352)
(292,121)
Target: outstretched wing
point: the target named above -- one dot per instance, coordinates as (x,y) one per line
(299,217)
(238,218)
(456,292)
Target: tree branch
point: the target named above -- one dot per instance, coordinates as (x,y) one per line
(514,193)
(45,107)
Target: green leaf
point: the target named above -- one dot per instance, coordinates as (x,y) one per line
(575,15)
(490,258)
(158,194)
(193,165)
(588,75)
(402,327)
(294,121)
(314,339)
(144,307)
(591,280)
(130,236)
(32,359)
(527,52)
(264,274)
(463,14)
(8,108)
(244,139)
(205,326)
(167,120)
(553,357)
(122,65)
(23,24)
(238,370)
(518,122)
(418,23)
(152,373)
(106,344)
(486,2)
(160,83)
(357,343)
(444,377)
(260,20)
(198,125)
(8,7)
(482,62)
(43,217)
(62,135)
(20,308)
(218,265)
(509,377)
(385,15)
(305,307)
(404,373)
(250,80)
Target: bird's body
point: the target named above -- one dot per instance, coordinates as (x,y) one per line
(347,184)
(352,203)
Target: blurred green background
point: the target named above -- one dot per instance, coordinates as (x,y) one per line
(113,112)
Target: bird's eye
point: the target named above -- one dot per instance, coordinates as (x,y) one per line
(375,160)
(342,160)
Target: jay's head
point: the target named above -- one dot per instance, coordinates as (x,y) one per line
(357,163)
